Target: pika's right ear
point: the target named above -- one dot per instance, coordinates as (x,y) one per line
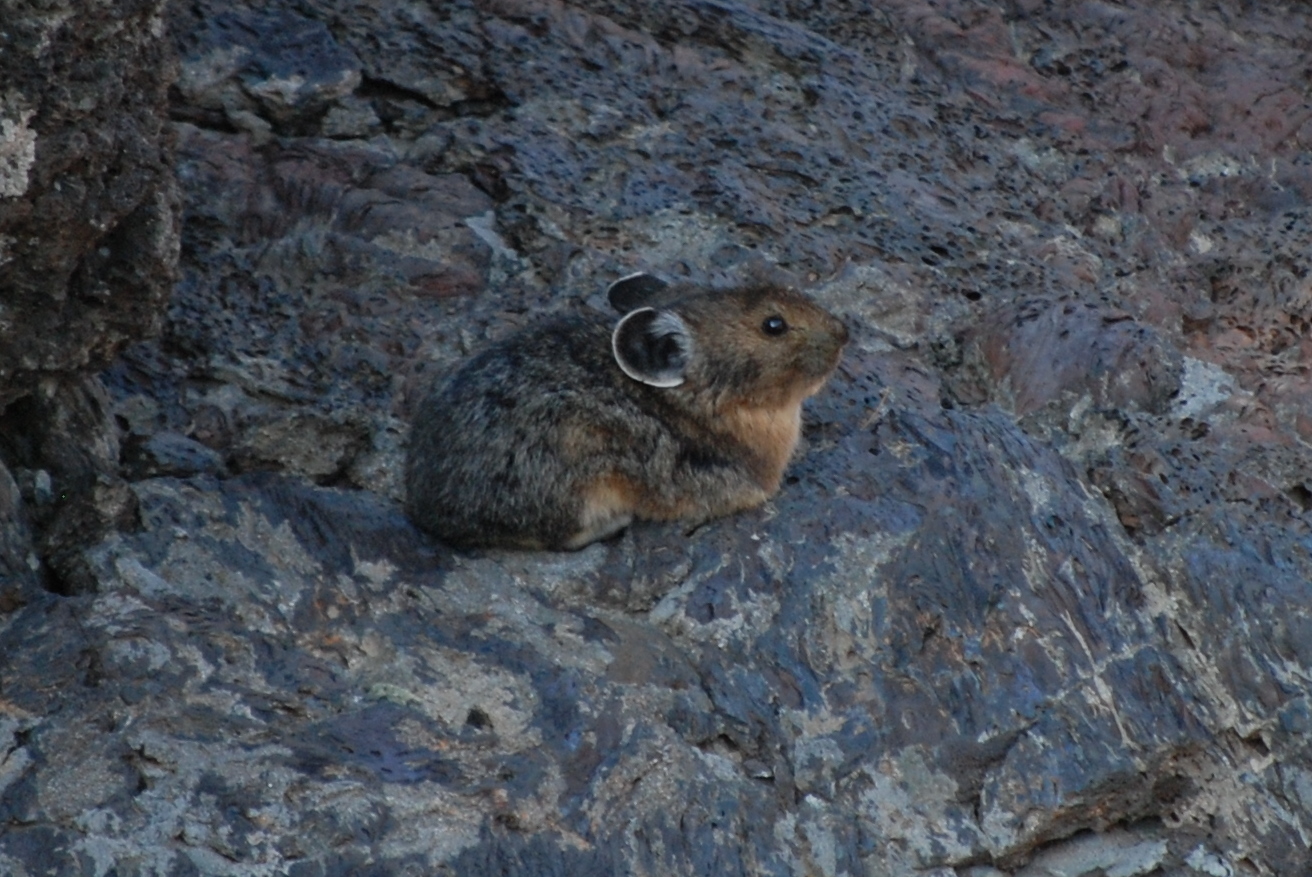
(653,347)
(635,291)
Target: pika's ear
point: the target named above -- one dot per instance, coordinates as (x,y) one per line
(635,291)
(653,347)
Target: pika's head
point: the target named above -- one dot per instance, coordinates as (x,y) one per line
(761,345)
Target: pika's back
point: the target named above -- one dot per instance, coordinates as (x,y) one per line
(688,407)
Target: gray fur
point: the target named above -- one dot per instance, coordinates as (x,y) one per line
(506,450)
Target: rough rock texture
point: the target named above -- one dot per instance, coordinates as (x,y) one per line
(1034,599)
(88,220)
(89,216)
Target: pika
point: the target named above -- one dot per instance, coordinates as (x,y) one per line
(687,408)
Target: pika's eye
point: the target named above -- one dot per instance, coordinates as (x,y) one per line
(774,325)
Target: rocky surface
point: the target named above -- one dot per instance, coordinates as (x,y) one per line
(89,223)
(1033,600)
(88,213)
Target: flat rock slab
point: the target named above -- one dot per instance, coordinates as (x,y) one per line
(936,637)
(1032,600)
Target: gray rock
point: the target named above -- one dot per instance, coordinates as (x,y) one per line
(88,206)
(1033,599)
(167,453)
(65,447)
(89,219)
(18,558)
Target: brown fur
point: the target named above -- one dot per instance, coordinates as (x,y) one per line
(608,506)
(686,409)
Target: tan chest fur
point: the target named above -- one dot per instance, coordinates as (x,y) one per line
(771,433)
(770,430)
